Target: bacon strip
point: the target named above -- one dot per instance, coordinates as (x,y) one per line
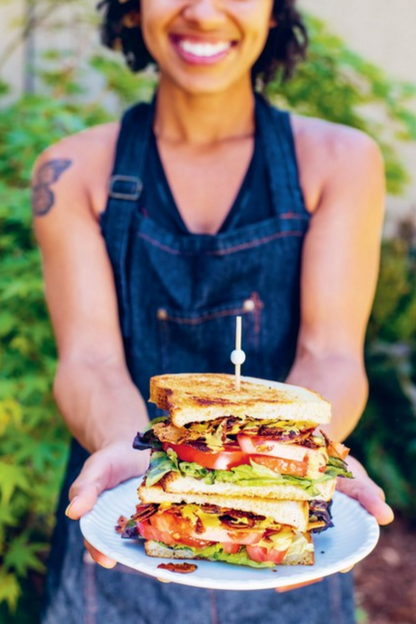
(143,512)
(180,568)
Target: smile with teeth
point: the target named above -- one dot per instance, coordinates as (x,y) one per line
(204,50)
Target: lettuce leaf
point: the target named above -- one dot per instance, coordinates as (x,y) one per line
(257,475)
(216,553)
(245,475)
(160,464)
(148,439)
(338,468)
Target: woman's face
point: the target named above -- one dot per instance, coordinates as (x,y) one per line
(205,46)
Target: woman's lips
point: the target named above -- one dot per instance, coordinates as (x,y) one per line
(200,52)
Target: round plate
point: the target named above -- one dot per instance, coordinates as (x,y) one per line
(353,537)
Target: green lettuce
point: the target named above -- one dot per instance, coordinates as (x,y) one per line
(216,553)
(258,475)
(246,475)
(160,464)
(155,421)
(338,468)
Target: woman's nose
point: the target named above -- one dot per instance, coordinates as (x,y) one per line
(206,13)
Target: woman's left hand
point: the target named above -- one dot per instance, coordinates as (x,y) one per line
(367,493)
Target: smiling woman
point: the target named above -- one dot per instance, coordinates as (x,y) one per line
(216,205)
(284,46)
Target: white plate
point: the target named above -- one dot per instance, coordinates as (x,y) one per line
(354,536)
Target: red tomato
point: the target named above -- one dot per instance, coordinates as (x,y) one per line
(296,455)
(244,537)
(284,466)
(258,445)
(230,548)
(151,533)
(261,555)
(156,531)
(224,460)
(171,528)
(180,529)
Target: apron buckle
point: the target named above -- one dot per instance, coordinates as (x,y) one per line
(125,187)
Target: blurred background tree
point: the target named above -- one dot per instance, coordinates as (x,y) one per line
(335,84)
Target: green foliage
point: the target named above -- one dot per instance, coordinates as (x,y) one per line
(335,84)
(33,439)
(122,82)
(385,439)
(338,85)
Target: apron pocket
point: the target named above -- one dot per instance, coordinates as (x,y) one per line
(202,340)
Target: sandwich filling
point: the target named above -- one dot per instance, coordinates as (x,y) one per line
(246,452)
(219,534)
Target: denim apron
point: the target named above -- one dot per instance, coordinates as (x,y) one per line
(178,297)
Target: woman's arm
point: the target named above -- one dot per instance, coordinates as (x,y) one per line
(339,274)
(100,404)
(339,267)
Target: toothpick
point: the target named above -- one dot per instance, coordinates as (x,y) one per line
(238,356)
(238,348)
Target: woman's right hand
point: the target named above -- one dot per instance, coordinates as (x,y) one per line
(104,470)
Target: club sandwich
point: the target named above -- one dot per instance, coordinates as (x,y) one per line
(239,476)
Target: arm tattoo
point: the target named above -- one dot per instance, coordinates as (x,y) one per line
(42,196)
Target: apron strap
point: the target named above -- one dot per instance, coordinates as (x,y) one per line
(125,187)
(277,138)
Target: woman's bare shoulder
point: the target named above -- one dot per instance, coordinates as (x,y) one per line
(92,154)
(88,142)
(325,149)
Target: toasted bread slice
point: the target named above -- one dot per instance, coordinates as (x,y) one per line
(156,549)
(175,483)
(201,397)
(292,513)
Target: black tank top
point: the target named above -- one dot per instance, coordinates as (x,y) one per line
(251,205)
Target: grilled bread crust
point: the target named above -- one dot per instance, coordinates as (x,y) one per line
(202,397)
(155,549)
(174,483)
(292,513)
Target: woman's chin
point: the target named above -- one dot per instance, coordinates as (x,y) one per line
(200,86)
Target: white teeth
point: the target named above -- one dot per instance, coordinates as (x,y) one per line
(204,50)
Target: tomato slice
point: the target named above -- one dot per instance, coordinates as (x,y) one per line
(179,528)
(230,548)
(259,445)
(224,460)
(283,466)
(171,528)
(149,532)
(261,555)
(162,531)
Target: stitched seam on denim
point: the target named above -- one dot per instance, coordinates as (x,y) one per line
(255,243)
(164,343)
(214,610)
(156,243)
(90,598)
(258,307)
(293,215)
(336,599)
(222,252)
(204,318)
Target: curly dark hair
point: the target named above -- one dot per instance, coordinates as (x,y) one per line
(285,46)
